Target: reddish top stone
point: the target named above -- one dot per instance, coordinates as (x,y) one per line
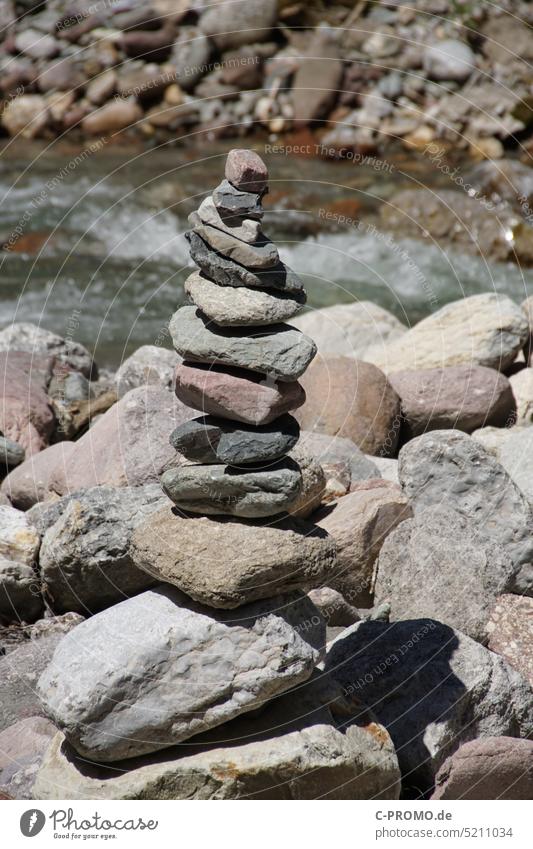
(246,171)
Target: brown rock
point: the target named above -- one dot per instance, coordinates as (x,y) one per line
(350,398)
(114,116)
(41,477)
(25,413)
(359,523)
(246,171)
(26,115)
(510,629)
(236,393)
(490,768)
(152,46)
(461,397)
(316,84)
(102,87)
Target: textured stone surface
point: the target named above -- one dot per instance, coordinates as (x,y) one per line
(510,630)
(432,687)
(11,453)
(462,397)
(313,484)
(246,170)
(280,351)
(229,273)
(233,26)
(20,592)
(316,82)
(342,461)
(193,670)
(448,467)
(26,416)
(19,541)
(23,336)
(211,440)
(84,559)
(241,306)
(246,229)
(232,204)
(236,394)
(522,388)
(348,330)
(302,746)
(218,489)
(259,256)
(40,477)
(516,456)
(224,563)
(449,59)
(459,575)
(485,330)
(336,611)
(148,364)
(353,399)
(360,523)
(22,747)
(491,768)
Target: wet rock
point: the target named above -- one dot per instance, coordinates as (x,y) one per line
(236,394)
(114,116)
(232,26)
(491,768)
(23,336)
(348,330)
(149,364)
(510,630)
(241,306)
(459,575)
(432,687)
(22,748)
(40,478)
(225,564)
(193,670)
(352,399)
(449,60)
(448,467)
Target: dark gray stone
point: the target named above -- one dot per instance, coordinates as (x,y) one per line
(211,440)
(233,203)
(11,453)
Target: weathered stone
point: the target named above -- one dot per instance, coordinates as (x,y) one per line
(349,330)
(18,539)
(26,115)
(316,83)
(432,687)
(190,56)
(246,170)
(26,416)
(218,489)
(257,257)
(211,440)
(233,204)
(334,608)
(485,330)
(452,468)
(304,745)
(114,116)
(462,397)
(350,398)
(233,26)
(510,630)
(11,453)
(228,273)
(516,456)
(102,87)
(192,670)
(236,394)
(149,364)
(449,60)
(241,306)
(280,351)
(458,576)
(490,768)
(313,485)
(246,229)
(84,559)
(20,592)
(342,461)
(522,388)
(224,563)
(360,523)
(23,336)
(22,748)
(387,468)
(40,477)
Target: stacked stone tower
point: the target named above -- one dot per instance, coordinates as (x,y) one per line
(241,362)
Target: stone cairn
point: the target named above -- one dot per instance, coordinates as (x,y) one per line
(228,627)
(241,363)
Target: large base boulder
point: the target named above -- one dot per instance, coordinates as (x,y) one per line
(495,768)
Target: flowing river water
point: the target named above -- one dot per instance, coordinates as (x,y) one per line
(98,253)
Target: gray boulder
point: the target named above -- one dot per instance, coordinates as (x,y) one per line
(148,364)
(159,669)
(447,467)
(23,336)
(84,560)
(434,566)
(432,687)
(493,768)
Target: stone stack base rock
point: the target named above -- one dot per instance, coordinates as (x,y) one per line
(227,635)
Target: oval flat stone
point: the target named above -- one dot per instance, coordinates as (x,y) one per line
(222,490)
(231,202)
(246,229)
(241,306)
(235,393)
(211,440)
(280,351)
(263,254)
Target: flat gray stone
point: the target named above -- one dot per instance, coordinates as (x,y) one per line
(159,668)
(280,351)
(241,306)
(448,467)
(228,273)
(225,563)
(263,254)
(232,203)
(217,489)
(212,440)
(246,229)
